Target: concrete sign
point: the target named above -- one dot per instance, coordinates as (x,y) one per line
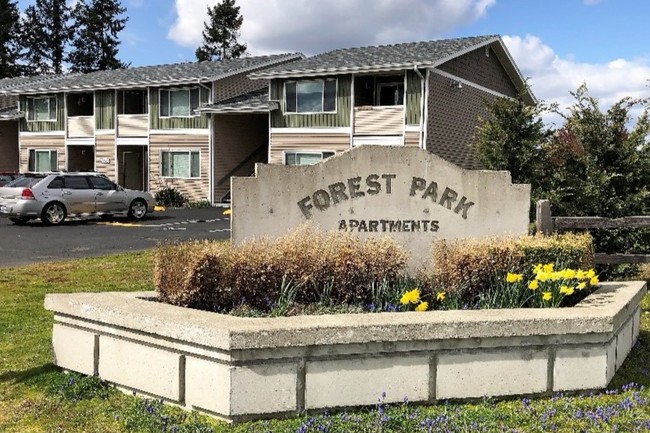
(407,193)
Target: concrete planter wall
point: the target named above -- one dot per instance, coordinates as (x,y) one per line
(239,368)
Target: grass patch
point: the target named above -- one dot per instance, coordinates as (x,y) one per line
(35,396)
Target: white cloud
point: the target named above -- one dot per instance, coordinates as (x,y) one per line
(553,77)
(311,27)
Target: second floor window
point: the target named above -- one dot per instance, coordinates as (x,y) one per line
(310,96)
(132,102)
(80,104)
(41,108)
(179,102)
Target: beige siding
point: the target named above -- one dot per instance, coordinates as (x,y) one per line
(81,126)
(412,138)
(240,141)
(196,189)
(105,150)
(9,145)
(133,125)
(370,120)
(49,142)
(309,142)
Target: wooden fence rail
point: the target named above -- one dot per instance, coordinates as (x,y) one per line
(547,224)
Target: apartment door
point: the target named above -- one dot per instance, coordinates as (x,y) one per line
(132,167)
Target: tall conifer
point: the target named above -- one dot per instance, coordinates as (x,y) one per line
(220,33)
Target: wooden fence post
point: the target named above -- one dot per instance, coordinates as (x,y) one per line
(544,220)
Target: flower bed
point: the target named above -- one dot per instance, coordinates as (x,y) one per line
(244,368)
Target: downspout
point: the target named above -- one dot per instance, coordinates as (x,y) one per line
(422,104)
(210,145)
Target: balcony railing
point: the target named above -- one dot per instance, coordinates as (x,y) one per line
(379,120)
(81,127)
(132,125)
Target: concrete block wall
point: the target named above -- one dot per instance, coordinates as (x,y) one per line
(240,369)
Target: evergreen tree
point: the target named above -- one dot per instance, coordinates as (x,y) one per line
(95,43)
(46,33)
(9,39)
(221,32)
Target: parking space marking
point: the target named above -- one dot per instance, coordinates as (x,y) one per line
(166,226)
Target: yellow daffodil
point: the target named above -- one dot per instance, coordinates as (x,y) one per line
(547,296)
(548,268)
(537,268)
(569,274)
(410,297)
(514,278)
(542,276)
(581,286)
(590,274)
(566,290)
(533,285)
(440,296)
(593,281)
(422,306)
(581,275)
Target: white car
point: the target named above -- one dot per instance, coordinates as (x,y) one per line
(53,197)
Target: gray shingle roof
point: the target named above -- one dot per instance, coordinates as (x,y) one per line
(253,102)
(172,74)
(376,58)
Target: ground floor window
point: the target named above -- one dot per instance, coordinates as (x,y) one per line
(184,164)
(305,158)
(43,160)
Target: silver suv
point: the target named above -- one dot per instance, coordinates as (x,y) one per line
(54,196)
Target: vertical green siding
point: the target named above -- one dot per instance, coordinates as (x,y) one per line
(413,98)
(105,109)
(196,122)
(59,125)
(339,119)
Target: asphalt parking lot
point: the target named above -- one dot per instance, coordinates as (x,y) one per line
(35,242)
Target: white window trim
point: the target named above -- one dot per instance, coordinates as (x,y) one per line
(49,151)
(307,152)
(49,110)
(189,102)
(322,80)
(189,151)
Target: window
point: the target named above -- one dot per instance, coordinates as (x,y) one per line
(181,164)
(305,158)
(99,182)
(179,102)
(76,182)
(132,102)
(310,96)
(57,183)
(41,109)
(42,160)
(80,104)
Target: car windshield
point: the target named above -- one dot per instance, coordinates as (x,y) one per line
(25,182)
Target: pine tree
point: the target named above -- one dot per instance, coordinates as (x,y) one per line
(221,32)
(46,33)
(95,43)
(9,39)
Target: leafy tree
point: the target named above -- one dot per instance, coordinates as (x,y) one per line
(10,48)
(221,33)
(95,43)
(46,34)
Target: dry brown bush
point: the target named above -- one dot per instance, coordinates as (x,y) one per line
(470,265)
(210,275)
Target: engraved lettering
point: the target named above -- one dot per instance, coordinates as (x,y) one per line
(374,187)
(463,205)
(373,225)
(337,191)
(389,179)
(417,184)
(354,185)
(448,197)
(305,207)
(322,200)
(431,192)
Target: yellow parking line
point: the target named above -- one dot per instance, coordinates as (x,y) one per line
(159,208)
(227,212)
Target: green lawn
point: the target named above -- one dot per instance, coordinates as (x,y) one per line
(37,397)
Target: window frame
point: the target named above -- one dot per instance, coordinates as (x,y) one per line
(31,162)
(121,104)
(322,153)
(187,151)
(189,90)
(381,86)
(322,81)
(31,113)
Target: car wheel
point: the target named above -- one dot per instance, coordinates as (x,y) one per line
(53,213)
(19,221)
(138,209)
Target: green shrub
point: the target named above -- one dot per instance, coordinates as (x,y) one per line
(316,265)
(199,203)
(170,197)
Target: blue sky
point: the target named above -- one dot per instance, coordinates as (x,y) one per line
(559,44)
